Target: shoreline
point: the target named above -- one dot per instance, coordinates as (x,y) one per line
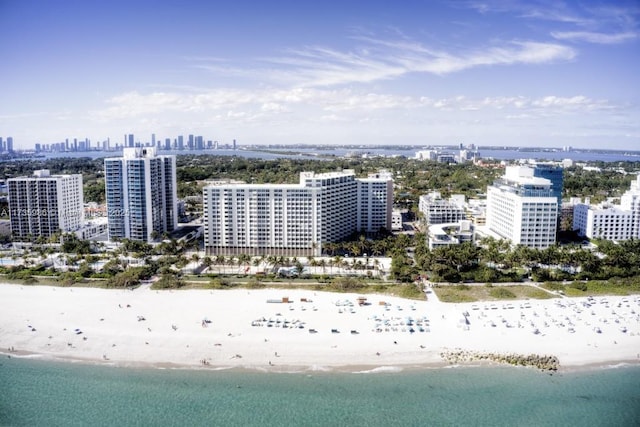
(342,369)
(246,330)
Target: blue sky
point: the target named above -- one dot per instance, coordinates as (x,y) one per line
(504,72)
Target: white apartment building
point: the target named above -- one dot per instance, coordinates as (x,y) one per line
(44,204)
(437,210)
(396,220)
(426,155)
(603,221)
(375,202)
(630,201)
(294,219)
(450,234)
(522,208)
(608,221)
(141,194)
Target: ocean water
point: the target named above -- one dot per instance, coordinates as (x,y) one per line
(39,393)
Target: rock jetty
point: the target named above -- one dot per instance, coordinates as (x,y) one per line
(542,362)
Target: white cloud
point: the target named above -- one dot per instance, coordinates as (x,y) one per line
(383,60)
(572,103)
(604,23)
(592,37)
(308,104)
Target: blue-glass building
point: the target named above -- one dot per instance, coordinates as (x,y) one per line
(553,173)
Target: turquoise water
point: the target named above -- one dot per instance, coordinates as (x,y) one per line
(37,393)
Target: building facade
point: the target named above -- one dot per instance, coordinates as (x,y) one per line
(437,210)
(630,201)
(522,208)
(141,194)
(553,173)
(604,221)
(450,234)
(44,204)
(375,202)
(294,219)
(608,221)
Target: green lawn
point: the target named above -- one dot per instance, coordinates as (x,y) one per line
(465,293)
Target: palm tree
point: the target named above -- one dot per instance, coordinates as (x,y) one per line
(323,264)
(355,249)
(207,261)
(377,248)
(195,257)
(330,264)
(376,264)
(220,261)
(337,261)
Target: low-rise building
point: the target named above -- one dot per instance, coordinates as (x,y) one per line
(95,229)
(450,234)
(437,210)
(396,220)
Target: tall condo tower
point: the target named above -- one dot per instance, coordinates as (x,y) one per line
(141,194)
(44,204)
(523,208)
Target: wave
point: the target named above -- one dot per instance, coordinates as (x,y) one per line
(381,369)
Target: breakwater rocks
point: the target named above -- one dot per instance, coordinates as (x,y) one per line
(542,362)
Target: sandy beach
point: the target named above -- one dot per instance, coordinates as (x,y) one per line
(312,331)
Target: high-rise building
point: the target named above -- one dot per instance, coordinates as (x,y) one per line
(375,202)
(630,201)
(553,173)
(604,221)
(141,194)
(294,219)
(608,221)
(129,140)
(522,208)
(44,204)
(10,144)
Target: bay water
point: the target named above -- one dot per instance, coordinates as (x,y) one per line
(311,153)
(46,393)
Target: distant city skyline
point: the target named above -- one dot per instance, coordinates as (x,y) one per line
(494,72)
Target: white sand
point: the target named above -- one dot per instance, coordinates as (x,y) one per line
(44,321)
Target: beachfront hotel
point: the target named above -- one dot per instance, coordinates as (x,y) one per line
(523,208)
(294,219)
(604,221)
(141,194)
(43,204)
(609,221)
(630,201)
